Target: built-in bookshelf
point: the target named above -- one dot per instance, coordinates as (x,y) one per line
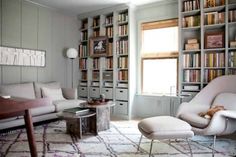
(207,42)
(109,74)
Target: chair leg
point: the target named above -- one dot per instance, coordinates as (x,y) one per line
(150,149)
(140,142)
(190,149)
(214,145)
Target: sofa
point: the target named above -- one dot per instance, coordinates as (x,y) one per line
(61,98)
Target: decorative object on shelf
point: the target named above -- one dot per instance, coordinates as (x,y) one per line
(98,46)
(72,53)
(98,101)
(214,40)
(192,44)
(22,56)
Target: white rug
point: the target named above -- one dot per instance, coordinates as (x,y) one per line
(120,141)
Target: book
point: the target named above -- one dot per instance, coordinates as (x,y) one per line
(77,110)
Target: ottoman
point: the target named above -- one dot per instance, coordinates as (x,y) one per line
(164,127)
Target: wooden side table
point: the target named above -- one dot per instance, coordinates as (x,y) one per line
(78,124)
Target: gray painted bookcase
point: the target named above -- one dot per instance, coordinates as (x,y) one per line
(111,74)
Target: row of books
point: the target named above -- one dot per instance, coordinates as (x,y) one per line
(84,35)
(109,31)
(95,75)
(109,20)
(96,22)
(83,63)
(96,63)
(213,3)
(84,75)
(122,17)
(210,74)
(109,63)
(192,60)
(83,50)
(96,33)
(191,21)
(232,72)
(191,76)
(214,18)
(123,75)
(123,62)
(232,16)
(123,30)
(122,46)
(110,49)
(214,59)
(191,5)
(84,24)
(232,59)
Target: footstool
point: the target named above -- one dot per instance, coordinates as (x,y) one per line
(164,127)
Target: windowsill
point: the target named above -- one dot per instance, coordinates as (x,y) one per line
(163,95)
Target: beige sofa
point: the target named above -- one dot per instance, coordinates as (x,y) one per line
(33,90)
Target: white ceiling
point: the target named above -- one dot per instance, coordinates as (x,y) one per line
(76,7)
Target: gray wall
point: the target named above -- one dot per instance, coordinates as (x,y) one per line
(147,106)
(27,25)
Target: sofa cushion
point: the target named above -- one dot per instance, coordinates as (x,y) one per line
(195,120)
(228,100)
(38,86)
(23,90)
(65,104)
(53,94)
(42,110)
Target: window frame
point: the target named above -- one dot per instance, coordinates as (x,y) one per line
(159,55)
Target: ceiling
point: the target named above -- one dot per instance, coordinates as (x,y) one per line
(76,7)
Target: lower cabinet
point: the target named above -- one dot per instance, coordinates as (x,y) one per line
(94,92)
(108,93)
(83,91)
(122,94)
(121,108)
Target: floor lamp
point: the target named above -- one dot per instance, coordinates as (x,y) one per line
(72,53)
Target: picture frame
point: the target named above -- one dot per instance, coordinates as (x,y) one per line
(214,40)
(98,46)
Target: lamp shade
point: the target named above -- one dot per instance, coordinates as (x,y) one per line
(71,53)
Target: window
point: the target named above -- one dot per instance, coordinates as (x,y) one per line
(159,57)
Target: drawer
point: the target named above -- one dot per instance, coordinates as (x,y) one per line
(83,91)
(94,92)
(108,93)
(122,94)
(121,108)
(107,75)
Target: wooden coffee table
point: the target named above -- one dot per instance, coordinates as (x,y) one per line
(78,124)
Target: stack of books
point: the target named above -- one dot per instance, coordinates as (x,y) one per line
(77,111)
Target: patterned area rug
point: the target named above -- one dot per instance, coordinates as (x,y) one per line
(121,140)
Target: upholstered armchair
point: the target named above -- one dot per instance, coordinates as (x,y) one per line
(220,91)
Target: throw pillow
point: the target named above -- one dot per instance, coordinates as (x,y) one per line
(211,111)
(53,94)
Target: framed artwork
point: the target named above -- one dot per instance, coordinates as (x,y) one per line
(22,57)
(214,40)
(98,46)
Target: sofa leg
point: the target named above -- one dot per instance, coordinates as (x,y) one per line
(150,149)
(140,142)
(214,145)
(190,149)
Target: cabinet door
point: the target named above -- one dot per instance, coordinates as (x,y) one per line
(121,108)
(108,93)
(83,91)
(94,92)
(122,94)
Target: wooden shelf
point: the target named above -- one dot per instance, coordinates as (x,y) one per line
(214,26)
(191,51)
(213,9)
(191,13)
(195,28)
(215,49)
